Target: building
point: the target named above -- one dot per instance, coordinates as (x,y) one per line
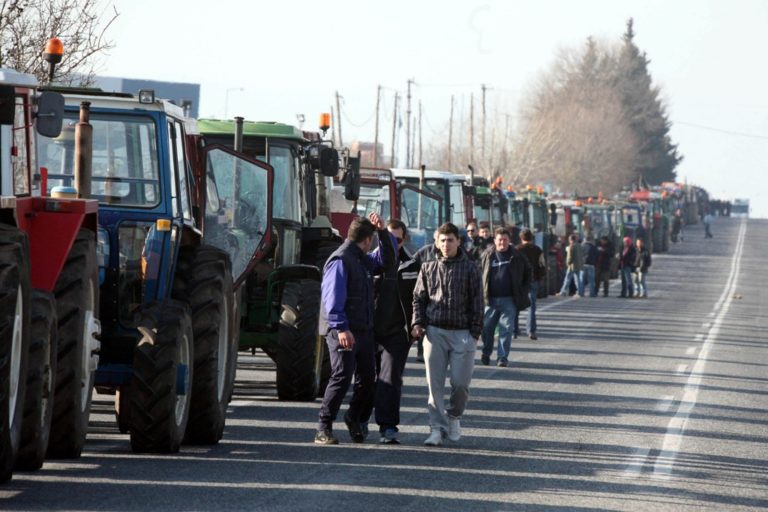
(186,95)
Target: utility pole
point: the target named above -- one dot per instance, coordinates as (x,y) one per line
(472,127)
(394,132)
(333,125)
(376,132)
(338,116)
(450,135)
(408,126)
(482,137)
(421,160)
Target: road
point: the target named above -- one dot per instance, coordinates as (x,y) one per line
(655,404)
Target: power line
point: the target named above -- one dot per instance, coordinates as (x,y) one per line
(720,130)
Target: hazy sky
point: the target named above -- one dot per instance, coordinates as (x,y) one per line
(290,57)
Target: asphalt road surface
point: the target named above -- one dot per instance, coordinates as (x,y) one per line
(655,404)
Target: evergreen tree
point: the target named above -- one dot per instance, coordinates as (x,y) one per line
(657,155)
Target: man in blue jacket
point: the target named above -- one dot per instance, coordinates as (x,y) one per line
(347,300)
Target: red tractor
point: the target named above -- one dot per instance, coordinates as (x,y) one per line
(49,289)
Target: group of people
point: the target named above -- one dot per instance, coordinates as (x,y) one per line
(452,295)
(589,266)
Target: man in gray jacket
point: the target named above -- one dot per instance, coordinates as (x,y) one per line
(448,308)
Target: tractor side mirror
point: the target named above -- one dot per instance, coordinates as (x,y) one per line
(352,180)
(50,114)
(7,104)
(329,162)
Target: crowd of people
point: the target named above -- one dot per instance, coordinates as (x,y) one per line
(451,298)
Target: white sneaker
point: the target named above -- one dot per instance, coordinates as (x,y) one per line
(454,429)
(435,438)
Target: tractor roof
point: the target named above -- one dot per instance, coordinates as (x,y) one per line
(251,129)
(14,78)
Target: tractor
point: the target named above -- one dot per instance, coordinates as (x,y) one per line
(281,294)
(167,310)
(48,285)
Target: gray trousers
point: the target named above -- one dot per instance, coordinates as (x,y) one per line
(444,349)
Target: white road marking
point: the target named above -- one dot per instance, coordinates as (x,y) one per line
(681,368)
(699,337)
(665,403)
(638,458)
(705,325)
(691,351)
(676,428)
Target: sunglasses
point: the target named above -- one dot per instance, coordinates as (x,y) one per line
(470,231)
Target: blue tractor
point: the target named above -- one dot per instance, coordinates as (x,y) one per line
(168,307)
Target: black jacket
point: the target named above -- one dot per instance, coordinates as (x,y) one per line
(643,260)
(393,289)
(535,257)
(521,274)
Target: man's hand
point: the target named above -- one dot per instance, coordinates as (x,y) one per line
(417,332)
(376,220)
(346,340)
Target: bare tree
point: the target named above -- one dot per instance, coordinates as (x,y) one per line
(26,25)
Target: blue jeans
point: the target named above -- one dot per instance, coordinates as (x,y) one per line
(642,291)
(531,324)
(588,280)
(570,275)
(627,289)
(500,311)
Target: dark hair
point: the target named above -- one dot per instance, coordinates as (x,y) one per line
(360,229)
(484,225)
(574,238)
(526,235)
(398,224)
(501,231)
(448,229)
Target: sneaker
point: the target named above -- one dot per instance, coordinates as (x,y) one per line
(515,335)
(389,436)
(533,336)
(454,429)
(435,438)
(502,363)
(325,437)
(486,360)
(355,429)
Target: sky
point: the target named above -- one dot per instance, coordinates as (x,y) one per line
(276,60)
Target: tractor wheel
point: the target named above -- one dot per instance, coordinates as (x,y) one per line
(77,300)
(161,387)
(15,289)
(204,281)
(299,360)
(38,406)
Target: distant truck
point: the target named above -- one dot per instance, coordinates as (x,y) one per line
(740,208)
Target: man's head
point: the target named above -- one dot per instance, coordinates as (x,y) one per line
(627,241)
(640,244)
(361,232)
(485,230)
(526,236)
(501,239)
(574,239)
(448,240)
(398,230)
(472,230)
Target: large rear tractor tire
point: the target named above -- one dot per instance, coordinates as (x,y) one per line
(77,300)
(204,281)
(38,408)
(161,388)
(299,353)
(15,289)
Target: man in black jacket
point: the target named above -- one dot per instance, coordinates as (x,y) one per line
(506,276)
(393,297)
(535,257)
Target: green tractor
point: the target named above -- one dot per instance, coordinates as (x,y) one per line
(280,296)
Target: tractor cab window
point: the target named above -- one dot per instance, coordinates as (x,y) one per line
(457,203)
(125,159)
(373,198)
(286,192)
(22,153)
(421,213)
(178,166)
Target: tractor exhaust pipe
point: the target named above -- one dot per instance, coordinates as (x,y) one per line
(83,152)
(239,134)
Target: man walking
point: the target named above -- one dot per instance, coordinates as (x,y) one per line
(589,251)
(603,265)
(642,264)
(393,308)
(707,225)
(448,308)
(574,261)
(347,309)
(506,285)
(627,267)
(535,256)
